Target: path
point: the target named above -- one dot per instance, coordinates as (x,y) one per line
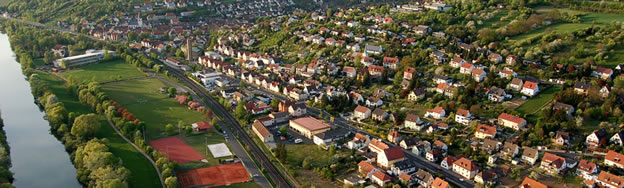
(162,182)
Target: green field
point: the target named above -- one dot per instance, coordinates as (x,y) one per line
(242,185)
(143,99)
(317,157)
(142,172)
(104,72)
(534,104)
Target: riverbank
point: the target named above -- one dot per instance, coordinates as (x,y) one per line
(6,176)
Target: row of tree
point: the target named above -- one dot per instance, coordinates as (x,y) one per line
(6,176)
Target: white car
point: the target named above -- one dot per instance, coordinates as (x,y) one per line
(298,140)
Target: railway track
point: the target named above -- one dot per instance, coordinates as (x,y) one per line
(254,150)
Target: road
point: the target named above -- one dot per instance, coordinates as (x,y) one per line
(254,150)
(451,176)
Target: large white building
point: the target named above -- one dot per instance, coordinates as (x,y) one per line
(90,56)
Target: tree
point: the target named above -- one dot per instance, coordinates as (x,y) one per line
(284,130)
(48,57)
(132,36)
(306,163)
(57,114)
(332,150)
(172,91)
(171,182)
(398,77)
(170,129)
(114,183)
(85,126)
(275,103)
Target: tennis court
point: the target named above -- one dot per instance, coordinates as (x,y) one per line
(213,176)
(176,150)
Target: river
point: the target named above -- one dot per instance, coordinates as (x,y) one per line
(38,158)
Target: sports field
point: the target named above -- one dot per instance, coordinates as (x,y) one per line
(176,150)
(104,72)
(227,174)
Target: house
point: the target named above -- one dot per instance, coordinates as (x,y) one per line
(262,132)
(484,131)
(373,102)
(201,126)
(553,163)
(390,156)
(439,183)
(511,59)
(565,108)
(561,138)
(486,177)
(365,169)
(403,167)
(582,88)
(371,49)
(390,62)
(279,117)
(422,29)
(377,145)
(437,126)
(606,179)
(438,79)
(436,113)
(587,169)
(602,73)
(457,62)
(496,94)
(495,57)
(465,168)
(490,146)
(379,114)
(614,159)
(531,183)
(361,112)
(422,147)
(466,68)
(447,162)
(358,142)
(308,126)
(510,149)
(529,155)
(597,138)
(516,84)
(604,91)
(507,73)
(530,88)
(297,109)
(356,97)
(349,71)
(416,94)
(408,73)
(617,138)
(478,75)
(266,121)
(424,178)
(511,121)
(394,137)
(434,155)
(328,137)
(463,116)
(406,179)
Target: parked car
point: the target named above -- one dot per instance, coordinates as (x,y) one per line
(298,141)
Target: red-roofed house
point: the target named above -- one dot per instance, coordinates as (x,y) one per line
(553,163)
(365,169)
(466,168)
(436,113)
(466,68)
(439,183)
(377,146)
(614,159)
(609,180)
(483,131)
(530,88)
(381,178)
(361,112)
(375,70)
(463,116)
(262,132)
(587,169)
(478,75)
(511,121)
(390,156)
(390,62)
(531,183)
(408,73)
(602,73)
(201,126)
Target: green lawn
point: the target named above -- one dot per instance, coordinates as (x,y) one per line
(317,157)
(103,72)
(142,172)
(242,185)
(534,104)
(143,99)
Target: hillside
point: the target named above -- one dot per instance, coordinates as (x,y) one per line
(47,11)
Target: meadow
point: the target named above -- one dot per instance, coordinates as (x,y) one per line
(104,72)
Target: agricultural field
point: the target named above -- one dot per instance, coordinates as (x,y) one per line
(104,72)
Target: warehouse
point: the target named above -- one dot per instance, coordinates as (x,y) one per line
(308,126)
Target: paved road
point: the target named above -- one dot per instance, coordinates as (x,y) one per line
(341,122)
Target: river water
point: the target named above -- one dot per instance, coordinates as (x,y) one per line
(38,158)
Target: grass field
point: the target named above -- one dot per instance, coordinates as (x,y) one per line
(103,72)
(143,99)
(317,158)
(142,172)
(534,104)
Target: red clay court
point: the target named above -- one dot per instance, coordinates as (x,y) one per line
(176,149)
(213,176)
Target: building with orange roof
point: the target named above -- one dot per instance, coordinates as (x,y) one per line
(381,178)
(365,169)
(530,88)
(439,183)
(587,169)
(466,168)
(531,183)
(606,179)
(377,145)
(614,159)
(262,132)
(511,121)
(390,156)
(308,126)
(553,163)
(484,131)
(436,113)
